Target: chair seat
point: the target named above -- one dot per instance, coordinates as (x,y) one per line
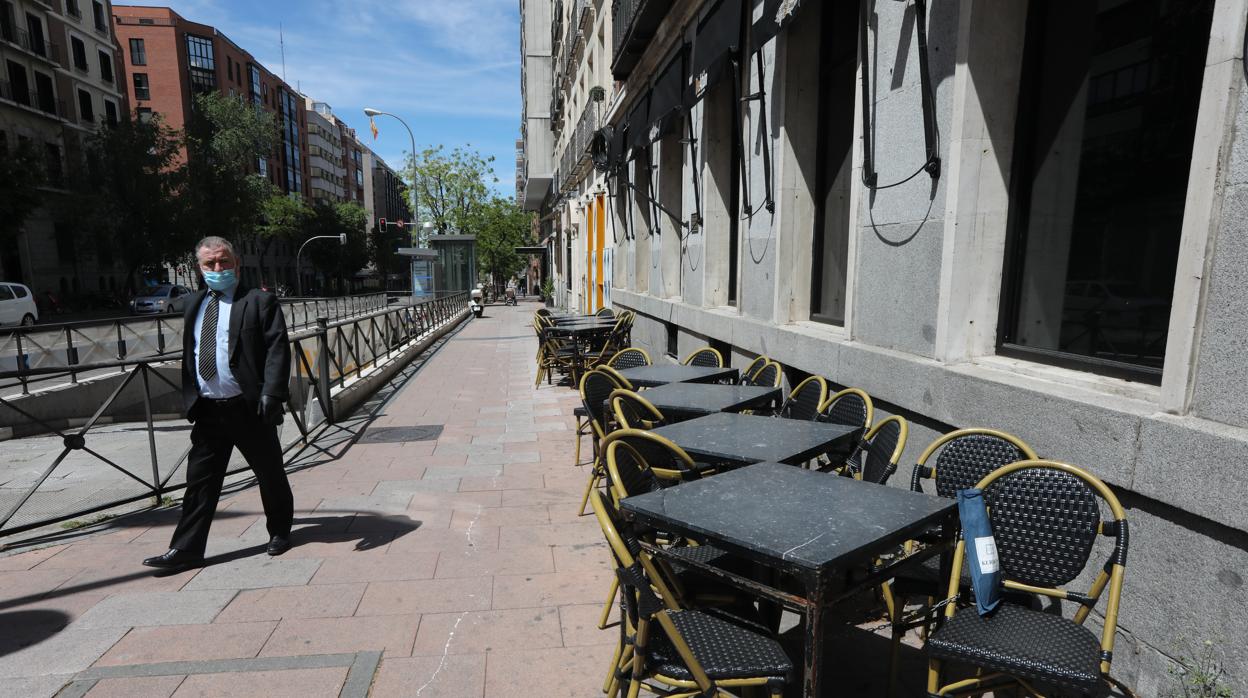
(1024,643)
(725,650)
(580,411)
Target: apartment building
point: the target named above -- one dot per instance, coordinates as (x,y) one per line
(59,81)
(168,59)
(326,156)
(1017,215)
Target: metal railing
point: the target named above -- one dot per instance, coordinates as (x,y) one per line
(324,358)
(44,353)
(575,156)
(34,43)
(633,23)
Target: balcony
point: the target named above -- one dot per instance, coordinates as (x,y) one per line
(575,160)
(44,102)
(633,24)
(34,44)
(556,28)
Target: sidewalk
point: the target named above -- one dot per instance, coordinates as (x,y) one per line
(452,566)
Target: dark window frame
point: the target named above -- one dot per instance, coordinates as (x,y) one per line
(146,86)
(86,108)
(78,49)
(138,52)
(106,66)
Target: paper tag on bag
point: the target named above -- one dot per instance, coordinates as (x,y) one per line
(986,554)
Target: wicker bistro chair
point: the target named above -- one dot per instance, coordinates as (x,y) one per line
(632,411)
(619,377)
(693,652)
(768,375)
(632,357)
(706,356)
(804,401)
(1045,517)
(596,387)
(876,458)
(605,312)
(753,367)
(851,407)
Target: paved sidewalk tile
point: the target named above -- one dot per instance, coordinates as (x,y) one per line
(277,603)
(373,568)
(576,672)
(255,572)
(180,643)
(426,596)
(156,608)
(451,676)
(136,687)
(68,652)
(484,631)
(292,683)
(300,636)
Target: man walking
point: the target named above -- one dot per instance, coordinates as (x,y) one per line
(235,368)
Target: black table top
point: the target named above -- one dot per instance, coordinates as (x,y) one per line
(745,438)
(579,328)
(706,398)
(585,320)
(792,517)
(662,374)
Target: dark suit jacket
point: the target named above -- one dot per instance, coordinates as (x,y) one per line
(259,350)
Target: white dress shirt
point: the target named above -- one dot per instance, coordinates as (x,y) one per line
(223,385)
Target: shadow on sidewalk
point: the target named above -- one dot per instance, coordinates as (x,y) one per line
(26,628)
(372,530)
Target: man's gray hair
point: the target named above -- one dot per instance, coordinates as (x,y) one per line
(212,242)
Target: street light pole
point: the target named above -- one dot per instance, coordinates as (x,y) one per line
(342,240)
(370,113)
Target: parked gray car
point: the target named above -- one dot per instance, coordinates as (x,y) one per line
(158,300)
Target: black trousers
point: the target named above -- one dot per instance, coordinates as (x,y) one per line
(220,426)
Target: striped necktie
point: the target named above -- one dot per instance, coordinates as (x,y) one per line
(208,338)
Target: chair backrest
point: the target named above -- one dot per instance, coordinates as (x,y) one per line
(1046,517)
(769,376)
(965,456)
(632,411)
(633,568)
(804,401)
(753,367)
(851,407)
(669,462)
(631,357)
(706,356)
(619,379)
(596,387)
(876,459)
(628,471)
(605,312)
(543,312)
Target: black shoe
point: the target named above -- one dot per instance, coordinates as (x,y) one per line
(278,545)
(175,560)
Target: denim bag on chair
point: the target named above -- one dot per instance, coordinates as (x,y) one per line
(981,550)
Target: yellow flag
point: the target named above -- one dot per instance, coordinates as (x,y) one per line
(372,126)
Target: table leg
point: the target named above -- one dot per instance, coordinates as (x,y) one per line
(815,612)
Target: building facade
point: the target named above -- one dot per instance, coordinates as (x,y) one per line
(327,162)
(168,59)
(535,169)
(60,75)
(1016,215)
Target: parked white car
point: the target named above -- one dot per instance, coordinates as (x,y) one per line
(17,305)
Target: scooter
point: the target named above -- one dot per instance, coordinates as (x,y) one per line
(475,304)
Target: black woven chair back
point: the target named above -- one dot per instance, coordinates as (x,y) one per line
(660,454)
(848,409)
(596,387)
(876,456)
(965,461)
(768,375)
(629,358)
(605,312)
(629,470)
(705,357)
(1045,522)
(805,400)
(634,414)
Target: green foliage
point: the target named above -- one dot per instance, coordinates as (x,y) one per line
(333,259)
(451,188)
(500,226)
(548,289)
(223,137)
(127,202)
(21,175)
(1201,675)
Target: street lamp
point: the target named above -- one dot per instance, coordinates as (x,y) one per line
(370,113)
(342,240)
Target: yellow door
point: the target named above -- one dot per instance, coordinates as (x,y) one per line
(589,258)
(600,210)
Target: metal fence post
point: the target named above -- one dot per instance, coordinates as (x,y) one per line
(23,364)
(71,355)
(322,368)
(151,434)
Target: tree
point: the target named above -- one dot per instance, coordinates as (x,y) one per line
(127,199)
(283,217)
(21,175)
(451,188)
(223,138)
(339,261)
(500,226)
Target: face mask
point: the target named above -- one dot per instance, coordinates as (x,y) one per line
(220,280)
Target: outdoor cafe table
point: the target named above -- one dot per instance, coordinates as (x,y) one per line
(812,526)
(746,438)
(581,329)
(662,374)
(686,400)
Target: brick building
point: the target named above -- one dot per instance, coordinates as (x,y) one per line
(59,80)
(168,59)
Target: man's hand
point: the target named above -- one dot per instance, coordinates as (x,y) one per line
(270,410)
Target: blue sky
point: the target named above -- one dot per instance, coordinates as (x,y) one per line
(449,68)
